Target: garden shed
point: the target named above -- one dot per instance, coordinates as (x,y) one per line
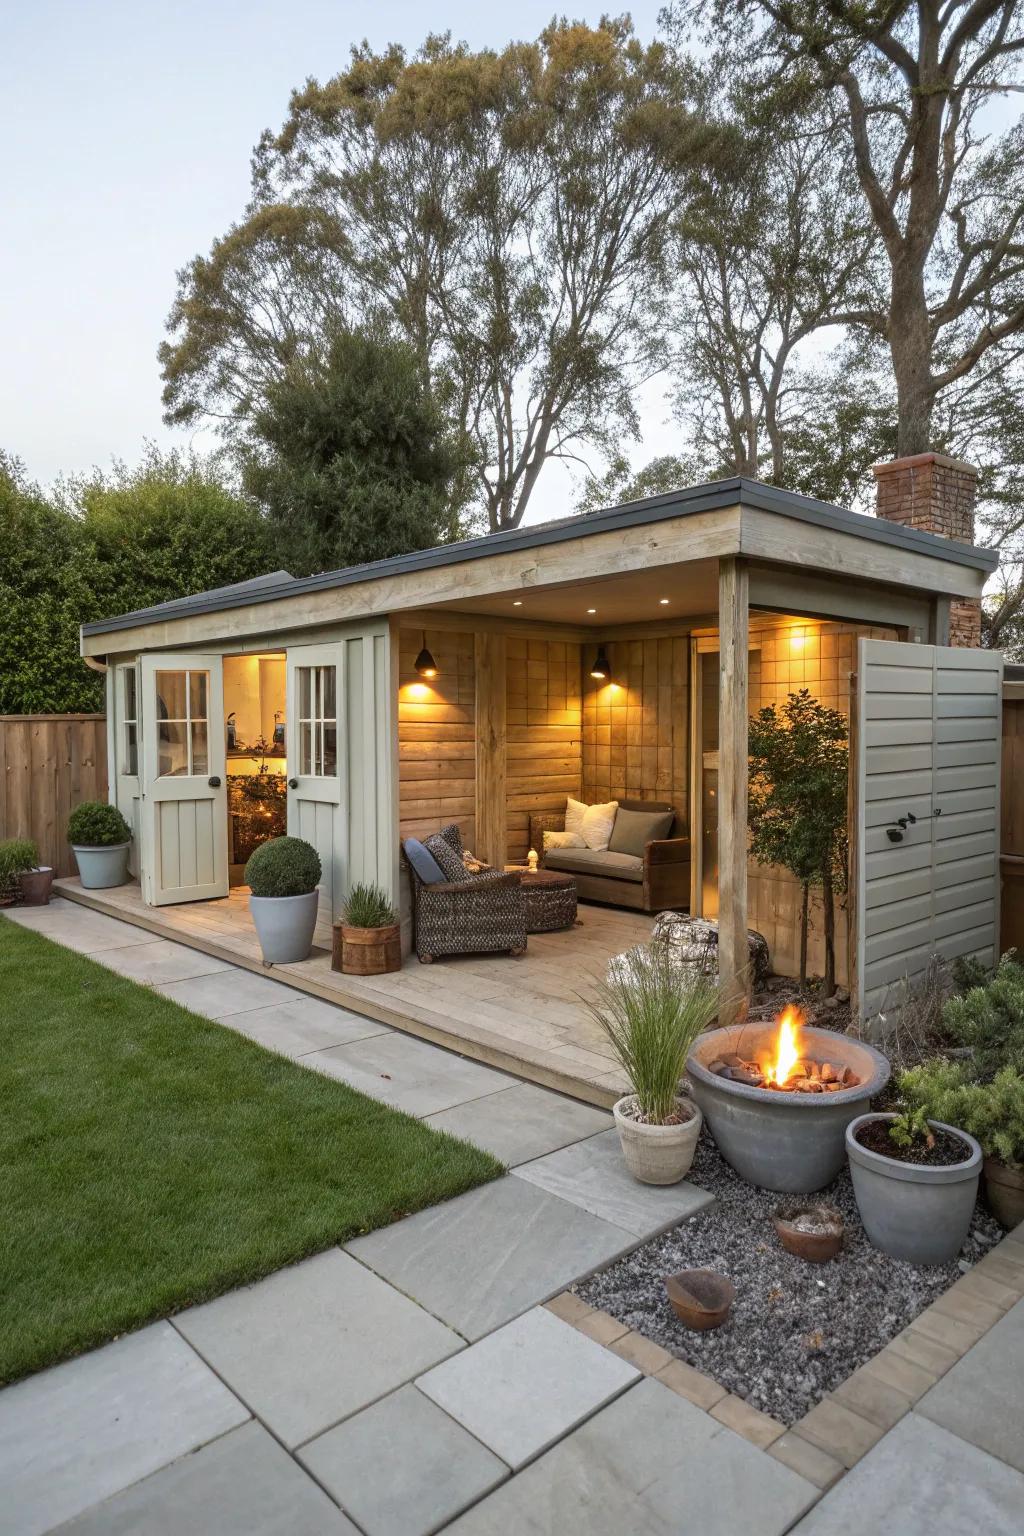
(612,656)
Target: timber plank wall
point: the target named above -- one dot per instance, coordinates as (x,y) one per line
(48,765)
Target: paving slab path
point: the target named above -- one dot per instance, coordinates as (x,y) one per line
(411,1381)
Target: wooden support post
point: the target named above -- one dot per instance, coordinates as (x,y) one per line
(491,740)
(734,632)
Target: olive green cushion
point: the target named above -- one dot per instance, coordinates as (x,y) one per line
(633,830)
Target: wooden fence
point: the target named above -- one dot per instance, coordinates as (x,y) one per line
(48,765)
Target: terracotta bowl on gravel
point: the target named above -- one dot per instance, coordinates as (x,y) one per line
(811,1230)
(700,1298)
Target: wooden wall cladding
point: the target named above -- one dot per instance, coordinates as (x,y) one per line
(636,729)
(544,733)
(437,736)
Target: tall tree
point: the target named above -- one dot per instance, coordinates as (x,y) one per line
(770,254)
(907,85)
(352,457)
(506,213)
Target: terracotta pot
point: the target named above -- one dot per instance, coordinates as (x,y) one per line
(658,1154)
(36,885)
(1004,1192)
(815,1247)
(366,951)
(700,1298)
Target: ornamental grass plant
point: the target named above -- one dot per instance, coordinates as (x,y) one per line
(652,1011)
(369,907)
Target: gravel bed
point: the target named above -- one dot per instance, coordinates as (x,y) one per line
(796,1330)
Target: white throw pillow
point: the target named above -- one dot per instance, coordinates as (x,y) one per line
(575,811)
(597,825)
(563,840)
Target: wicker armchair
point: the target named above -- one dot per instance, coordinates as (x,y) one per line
(482,914)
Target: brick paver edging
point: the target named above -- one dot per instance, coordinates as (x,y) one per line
(834,1434)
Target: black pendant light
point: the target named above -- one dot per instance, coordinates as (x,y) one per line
(425,664)
(602,666)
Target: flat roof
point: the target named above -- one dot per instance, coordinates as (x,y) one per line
(714,496)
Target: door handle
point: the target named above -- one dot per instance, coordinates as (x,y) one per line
(293,783)
(214,782)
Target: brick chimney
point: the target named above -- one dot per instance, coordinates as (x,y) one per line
(936,494)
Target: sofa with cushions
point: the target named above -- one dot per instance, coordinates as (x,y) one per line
(623,852)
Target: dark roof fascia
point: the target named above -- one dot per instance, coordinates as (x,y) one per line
(717,496)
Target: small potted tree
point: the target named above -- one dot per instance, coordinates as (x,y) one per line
(367,941)
(799,767)
(652,1011)
(282,876)
(100,838)
(915,1182)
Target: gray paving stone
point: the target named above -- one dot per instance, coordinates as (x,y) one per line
(592,1175)
(81,1432)
(481,1259)
(409,1074)
(402,1467)
(306,1025)
(919,1480)
(77,927)
(650,1464)
(231,991)
(314,1343)
(981,1398)
(162,961)
(242,1485)
(528,1384)
(521,1123)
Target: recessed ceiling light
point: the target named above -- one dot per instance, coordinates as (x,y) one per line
(591,610)
(517,602)
(663,601)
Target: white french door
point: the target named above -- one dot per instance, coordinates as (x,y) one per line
(315,757)
(184,802)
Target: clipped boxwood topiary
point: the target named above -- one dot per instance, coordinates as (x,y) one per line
(95,824)
(284,866)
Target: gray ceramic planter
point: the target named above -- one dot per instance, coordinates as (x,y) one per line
(910,1212)
(100,868)
(285,926)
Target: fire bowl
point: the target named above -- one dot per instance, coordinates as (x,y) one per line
(791,1142)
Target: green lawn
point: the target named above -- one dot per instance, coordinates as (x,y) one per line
(150,1159)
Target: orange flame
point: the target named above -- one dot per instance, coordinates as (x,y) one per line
(787,1053)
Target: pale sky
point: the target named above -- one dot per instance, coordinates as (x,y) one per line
(125,133)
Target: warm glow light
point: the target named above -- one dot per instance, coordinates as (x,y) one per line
(517,602)
(797,642)
(591,610)
(787,1052)
(663,601)
(418,691)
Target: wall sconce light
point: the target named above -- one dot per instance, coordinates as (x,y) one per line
(602,667)
(425,665)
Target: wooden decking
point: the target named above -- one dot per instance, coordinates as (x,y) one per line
(525,1016)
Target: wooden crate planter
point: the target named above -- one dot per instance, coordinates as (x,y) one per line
(366,951)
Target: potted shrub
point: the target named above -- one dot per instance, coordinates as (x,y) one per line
(282,876)
(99,838)
(992,1112)
(368,940)
(652,1011)
(21,877)
(915,1182)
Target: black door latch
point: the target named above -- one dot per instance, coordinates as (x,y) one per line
(895,829)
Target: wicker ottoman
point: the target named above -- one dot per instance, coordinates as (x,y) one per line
(549,898)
